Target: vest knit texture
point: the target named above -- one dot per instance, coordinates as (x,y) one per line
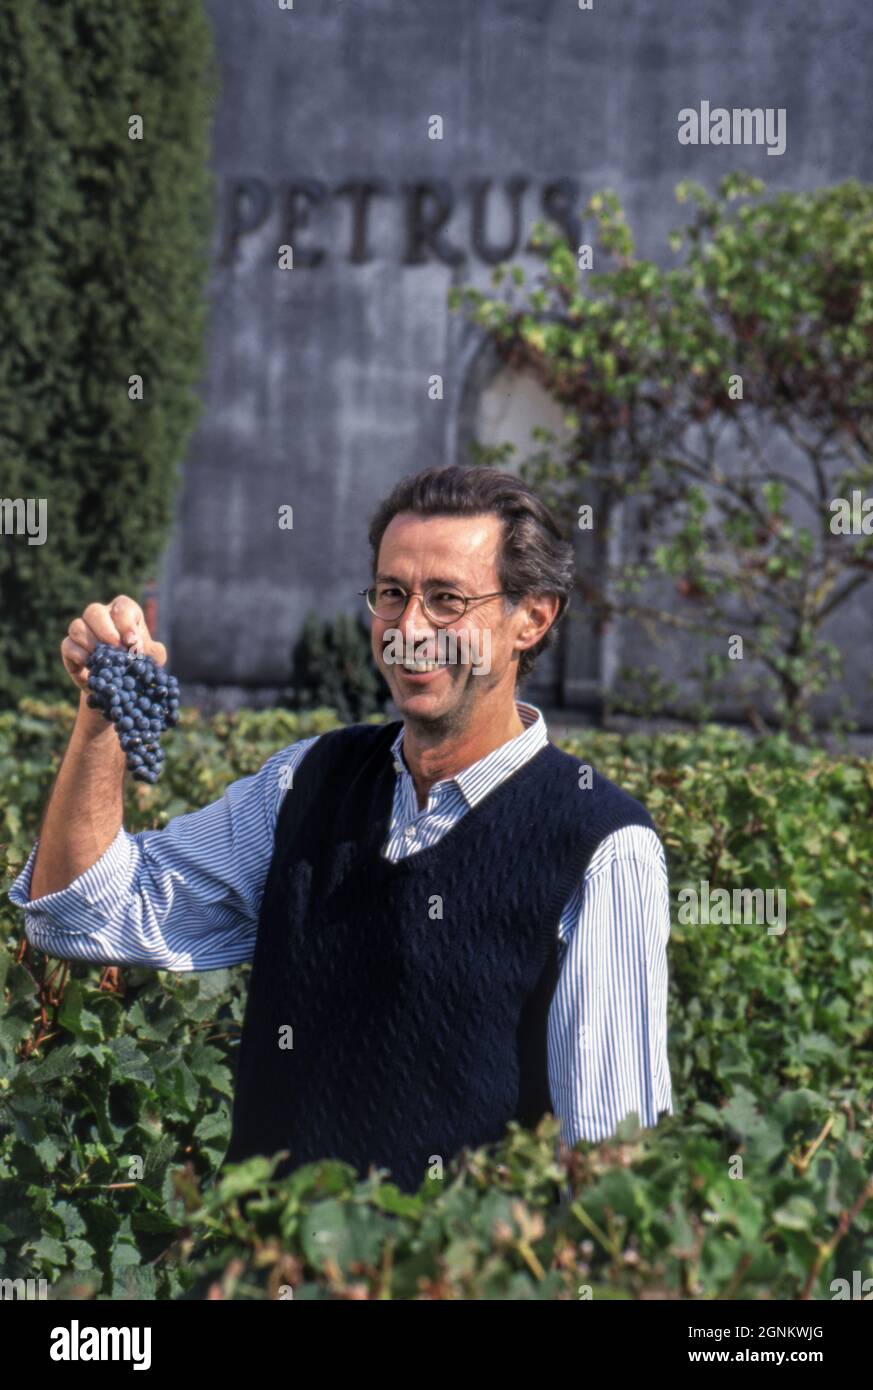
(417,992)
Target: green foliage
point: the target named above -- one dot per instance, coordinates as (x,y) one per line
(777,296)
(770,1043)
(104,243)
(332,665)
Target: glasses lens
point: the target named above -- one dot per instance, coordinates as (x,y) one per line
(386,600)
(445,604)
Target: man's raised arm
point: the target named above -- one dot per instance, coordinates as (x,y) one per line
(85,807)
(186,897)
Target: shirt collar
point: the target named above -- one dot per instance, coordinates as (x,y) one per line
(480,777)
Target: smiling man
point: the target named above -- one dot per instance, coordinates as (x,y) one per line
(453,923)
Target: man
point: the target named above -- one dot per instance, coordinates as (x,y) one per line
(452,923)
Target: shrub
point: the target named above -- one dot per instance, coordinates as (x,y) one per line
(770,1046)
(332,665)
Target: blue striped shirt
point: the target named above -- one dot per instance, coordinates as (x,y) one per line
(187,897)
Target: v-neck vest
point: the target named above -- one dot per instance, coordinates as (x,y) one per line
(397,1012)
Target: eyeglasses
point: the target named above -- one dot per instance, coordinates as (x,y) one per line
(442,604)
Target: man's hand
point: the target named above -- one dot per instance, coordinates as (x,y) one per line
(86,805)
(120,623)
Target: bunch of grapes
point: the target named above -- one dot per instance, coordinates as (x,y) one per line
(140,699)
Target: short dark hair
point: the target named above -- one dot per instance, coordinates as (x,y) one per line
(534,557)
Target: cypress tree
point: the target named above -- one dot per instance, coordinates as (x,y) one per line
(104,253)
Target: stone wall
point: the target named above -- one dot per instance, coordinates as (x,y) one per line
(316,395)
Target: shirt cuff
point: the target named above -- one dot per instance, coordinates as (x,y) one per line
(97,886)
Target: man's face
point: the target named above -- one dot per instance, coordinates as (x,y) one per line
(416,552)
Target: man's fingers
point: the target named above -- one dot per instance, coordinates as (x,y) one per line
(98,620)
(81,634)
(75,657)
(119,623)
(76,652)
(77,647)
(128,619)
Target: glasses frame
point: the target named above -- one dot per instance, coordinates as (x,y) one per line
(438,622)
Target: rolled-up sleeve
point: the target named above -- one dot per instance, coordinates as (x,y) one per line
(183,898)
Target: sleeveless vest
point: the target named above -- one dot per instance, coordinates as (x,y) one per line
(417,992)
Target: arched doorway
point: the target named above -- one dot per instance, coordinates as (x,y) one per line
(499,405)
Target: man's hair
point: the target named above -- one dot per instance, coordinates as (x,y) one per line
(534,557)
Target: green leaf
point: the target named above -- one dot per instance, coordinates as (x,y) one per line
(158,1159)
(49,1151)
(797,1214)
(244,1177)
(75,1017)
(342,1232)
(61,1061)
(130,1061)
(49,1250)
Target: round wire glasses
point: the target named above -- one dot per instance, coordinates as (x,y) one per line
(442,603)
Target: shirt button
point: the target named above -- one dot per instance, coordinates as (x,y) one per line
(398,766)
(409,832)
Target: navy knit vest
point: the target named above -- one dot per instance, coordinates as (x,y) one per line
(417,992)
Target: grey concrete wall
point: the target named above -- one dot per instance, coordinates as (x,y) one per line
(317,390)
